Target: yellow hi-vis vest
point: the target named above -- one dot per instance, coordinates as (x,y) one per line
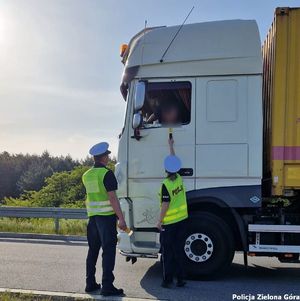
(97,201)
(177,210)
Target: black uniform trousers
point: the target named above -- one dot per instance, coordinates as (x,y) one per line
(172,244)
(101,233)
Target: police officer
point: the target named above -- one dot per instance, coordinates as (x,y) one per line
(172,221)
(103,209)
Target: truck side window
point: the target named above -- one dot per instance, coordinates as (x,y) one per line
(167,103)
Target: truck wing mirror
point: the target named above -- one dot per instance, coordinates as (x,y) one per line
(139,97)
(136,121)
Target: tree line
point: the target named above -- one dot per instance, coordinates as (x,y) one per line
(42,180)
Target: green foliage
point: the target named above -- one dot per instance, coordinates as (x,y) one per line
(62,189)
(20,173)
(43,181)
(34,177)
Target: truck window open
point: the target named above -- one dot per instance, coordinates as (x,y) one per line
(167,103)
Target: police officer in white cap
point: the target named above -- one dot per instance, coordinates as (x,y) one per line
(103,210)
(172,221)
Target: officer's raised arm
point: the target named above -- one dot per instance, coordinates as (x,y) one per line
(171,146)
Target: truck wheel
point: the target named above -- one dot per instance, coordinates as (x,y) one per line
(209,246)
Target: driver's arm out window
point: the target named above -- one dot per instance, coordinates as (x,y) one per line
(166,104)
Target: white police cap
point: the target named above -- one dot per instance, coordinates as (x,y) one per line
(172,164)
(100,149)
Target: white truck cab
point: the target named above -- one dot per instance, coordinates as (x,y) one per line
(212,75)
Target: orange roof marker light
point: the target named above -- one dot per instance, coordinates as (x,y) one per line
(123,48)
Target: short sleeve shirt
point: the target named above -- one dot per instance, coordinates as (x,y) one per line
(165,196)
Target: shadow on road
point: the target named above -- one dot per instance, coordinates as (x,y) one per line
(151,284)
(239,280)
(259,273)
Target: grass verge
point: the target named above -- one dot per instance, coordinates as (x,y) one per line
(42,226)
(7,296)
(36,296)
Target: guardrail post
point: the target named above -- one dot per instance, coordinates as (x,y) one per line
(56,221)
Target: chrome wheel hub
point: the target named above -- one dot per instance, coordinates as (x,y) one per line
(198,247)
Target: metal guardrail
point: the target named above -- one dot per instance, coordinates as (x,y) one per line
(44,212)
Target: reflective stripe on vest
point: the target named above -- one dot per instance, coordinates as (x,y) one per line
(98,207)
(97,202)
(177,210)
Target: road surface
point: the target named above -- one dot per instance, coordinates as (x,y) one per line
(60,266)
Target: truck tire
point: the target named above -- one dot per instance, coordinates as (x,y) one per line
(209,246)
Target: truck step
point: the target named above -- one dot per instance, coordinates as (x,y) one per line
(146,244)
(270,248)
(274,248)
(274,228)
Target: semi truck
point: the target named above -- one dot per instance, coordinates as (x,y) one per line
(236,131)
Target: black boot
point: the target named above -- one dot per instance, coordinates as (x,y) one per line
(180,283)
(91,288)
(113,291)
(166,284)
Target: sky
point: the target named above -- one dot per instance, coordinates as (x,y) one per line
(60,67)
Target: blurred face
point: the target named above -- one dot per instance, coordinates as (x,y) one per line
(105,159)
(152,103)
(170,115)
(102,159)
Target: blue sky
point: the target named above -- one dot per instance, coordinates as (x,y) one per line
(60,67)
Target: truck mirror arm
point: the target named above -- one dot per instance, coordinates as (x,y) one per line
(136,135)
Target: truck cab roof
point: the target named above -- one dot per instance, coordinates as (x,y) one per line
(210,48)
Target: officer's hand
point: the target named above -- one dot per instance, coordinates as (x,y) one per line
(122,225)
(159,227)
(171,142)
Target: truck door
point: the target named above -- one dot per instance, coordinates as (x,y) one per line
(167,104)
(228,136)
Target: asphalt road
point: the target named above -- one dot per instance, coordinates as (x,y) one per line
(59,266)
